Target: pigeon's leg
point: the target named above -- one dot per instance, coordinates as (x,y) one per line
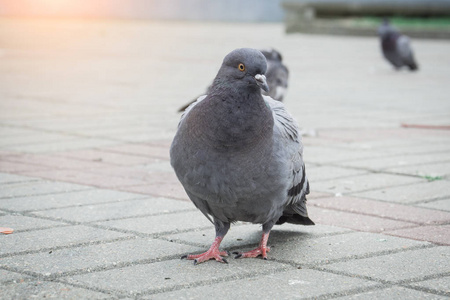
(213,252)
(262,248)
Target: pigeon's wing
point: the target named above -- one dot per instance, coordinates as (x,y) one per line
(190,106)
(404,50)
(291,139)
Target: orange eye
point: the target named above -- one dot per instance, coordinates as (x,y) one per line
(241,67)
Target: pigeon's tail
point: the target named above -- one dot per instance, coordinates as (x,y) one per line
(295,219)
(413,66)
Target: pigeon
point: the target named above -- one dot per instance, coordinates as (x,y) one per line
(396,47)
(277,77)
(239,155)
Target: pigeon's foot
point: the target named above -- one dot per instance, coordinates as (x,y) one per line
(261,250)
(212,253)
(254,253)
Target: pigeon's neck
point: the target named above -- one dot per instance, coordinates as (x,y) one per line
(236,120)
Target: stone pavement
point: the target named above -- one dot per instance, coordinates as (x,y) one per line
(88,111)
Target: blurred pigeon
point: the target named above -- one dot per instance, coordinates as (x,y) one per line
(396,47)
(277,77)
(239,156)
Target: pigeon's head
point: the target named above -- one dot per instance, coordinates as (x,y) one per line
(385,28)
(247,66)
(272,54)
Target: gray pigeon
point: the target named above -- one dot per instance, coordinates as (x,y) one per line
(238,155)
(396,47)
(277,76)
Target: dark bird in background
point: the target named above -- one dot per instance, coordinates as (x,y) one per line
(239,155)
(277,77)
(396,47)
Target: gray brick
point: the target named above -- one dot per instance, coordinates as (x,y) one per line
(19,223)
(7,276)
(363,182)
(393,162)
(6,178)
(412,193)
(438,204)
(292,284)
(393,293)
(122,209)
(95,256)
(247,234)
(44,290)
(83,197)
(399,266)
(69,144)
(163,223)
(37,188)
(439,284)
(159,276)
(331,172)
(345,246)
(437,169)
(54,237)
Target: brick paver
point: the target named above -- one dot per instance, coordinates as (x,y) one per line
(87,115)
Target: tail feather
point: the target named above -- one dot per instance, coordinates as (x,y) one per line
(295,219)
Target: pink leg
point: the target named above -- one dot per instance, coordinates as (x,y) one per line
(261,250)
(212,253)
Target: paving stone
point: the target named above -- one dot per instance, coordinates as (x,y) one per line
(330,248)
(6,178)
(86,178)
(87,258)
(21,223)
(355,221)
(439,234)
(72,198)
(44,290)
(162,223)
(403,266)
(392,162)
(114,158)
(395,292)
(54,237)
(363,182)
(56,146)
(440,169)
(243,234)
(167,189)
(323,154)
(285,285)
(123,209)
(7,276)
(37,188)
(53,161)
(384,210)
(438,204)
(330,172)
(438,284)
(156,151)
(159,276)
(417,192)
(17,167)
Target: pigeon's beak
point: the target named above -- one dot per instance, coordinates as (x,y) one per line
(261,82)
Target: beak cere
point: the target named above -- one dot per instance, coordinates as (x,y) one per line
(261,82)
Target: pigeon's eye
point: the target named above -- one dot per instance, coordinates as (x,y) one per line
(241,67)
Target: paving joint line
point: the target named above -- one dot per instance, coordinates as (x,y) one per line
(55,248)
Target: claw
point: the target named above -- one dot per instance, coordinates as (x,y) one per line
(183,257)
(239,255)
(224,260)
